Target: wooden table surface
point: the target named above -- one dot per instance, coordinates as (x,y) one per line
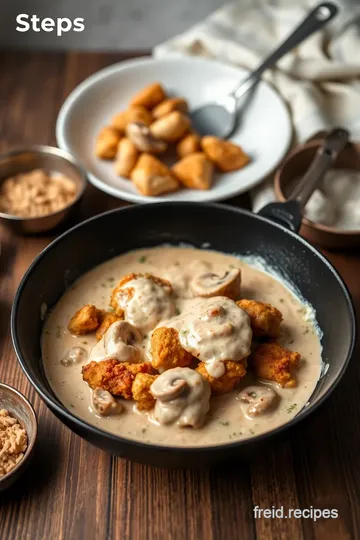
(75,491)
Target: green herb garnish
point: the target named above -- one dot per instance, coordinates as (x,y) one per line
(142,259)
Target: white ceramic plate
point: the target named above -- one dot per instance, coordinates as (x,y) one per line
(264,132)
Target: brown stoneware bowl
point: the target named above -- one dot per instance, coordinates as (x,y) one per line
(294,166)
(20,408)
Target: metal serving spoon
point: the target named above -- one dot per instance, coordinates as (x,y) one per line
(220,117)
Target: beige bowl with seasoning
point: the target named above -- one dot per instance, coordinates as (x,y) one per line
(294,166)
(20,408)
(52,160)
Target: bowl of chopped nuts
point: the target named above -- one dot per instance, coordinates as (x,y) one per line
(40,187)
(18,432)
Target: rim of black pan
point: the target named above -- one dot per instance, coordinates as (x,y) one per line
(54,403)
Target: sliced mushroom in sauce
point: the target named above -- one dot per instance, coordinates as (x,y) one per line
(258,400)
(182,396)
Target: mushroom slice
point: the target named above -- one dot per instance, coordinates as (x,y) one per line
(105,404)
(194,171)
(170,127)
(151,177)
(141,136)
(210,284)
(74,356)
(260,399)
(122,341)
(182,396)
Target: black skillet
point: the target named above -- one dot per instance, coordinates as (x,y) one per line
(226,229)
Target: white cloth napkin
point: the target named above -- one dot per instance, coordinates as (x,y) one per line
(319,80)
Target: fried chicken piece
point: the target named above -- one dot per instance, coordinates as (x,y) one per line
(126,157)
(85,320)
(226,155)
(171,127)
(130,277)
(166,350)
(234,372)
(194,171)
(107,142)
(113,376)
(107,318)
(152,177)
(141,391)
(149,97)
(265,319)
(190,144)
(133,114)
(169,105)
(275,363)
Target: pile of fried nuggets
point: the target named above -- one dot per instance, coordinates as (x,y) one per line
(149,127)
(268,360)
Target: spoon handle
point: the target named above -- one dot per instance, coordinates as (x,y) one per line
(333,144)
(316,19)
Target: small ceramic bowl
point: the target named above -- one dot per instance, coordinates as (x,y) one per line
(19,407)
(294,166)
(51,159)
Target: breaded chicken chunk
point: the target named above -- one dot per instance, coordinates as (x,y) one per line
(85,320)
(141,391)
(107,318)
(275,363)
(234,372)
(129,277)
(226,155)
(113,376)
(194,171)
(107,142)
(149,97)
(166,350)
(265,319)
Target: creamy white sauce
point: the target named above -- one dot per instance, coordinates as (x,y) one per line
(226,421)
(213,330)
(145,303)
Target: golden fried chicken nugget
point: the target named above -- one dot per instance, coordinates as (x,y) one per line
(226,155)
(234,372)
(152,177)
(275,363)
(133,114)
(107,318)
(194,171)
(107,142)
(171,127)
(265,319)
(166,350)
(169,105)
(129,277)
(190,144)
(113,376)
(149,97)
(141,391)
(85,320)
(126,157)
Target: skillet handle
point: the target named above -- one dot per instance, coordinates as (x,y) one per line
(286,213)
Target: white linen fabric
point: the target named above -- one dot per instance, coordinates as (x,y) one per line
(319,80)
